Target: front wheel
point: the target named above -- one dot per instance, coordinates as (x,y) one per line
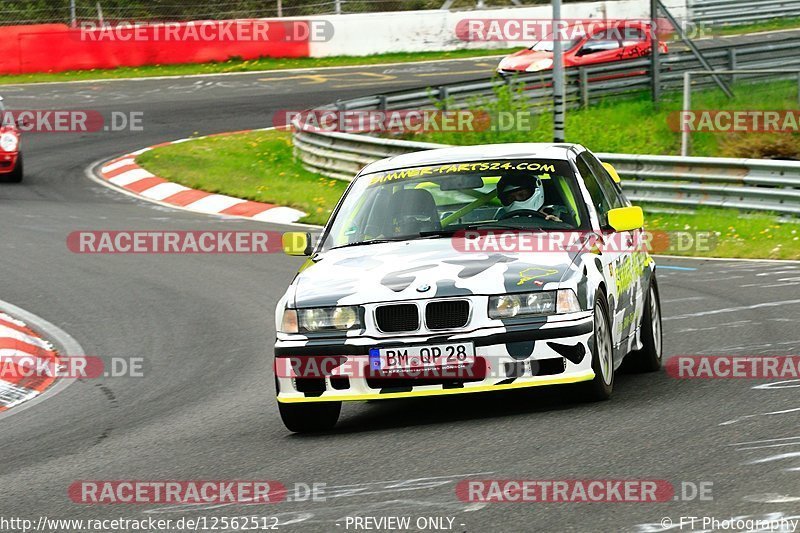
(649,358)
(309,417)
(601,387)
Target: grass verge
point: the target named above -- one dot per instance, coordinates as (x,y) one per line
(753,236)
(239,65)
(635,125)
(255,166)
(784,23)
(260,166)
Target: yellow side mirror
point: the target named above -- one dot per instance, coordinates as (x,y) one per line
(613,171)
(626,218)
(297,243)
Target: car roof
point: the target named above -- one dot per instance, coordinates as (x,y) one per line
(607,23)
(462,154)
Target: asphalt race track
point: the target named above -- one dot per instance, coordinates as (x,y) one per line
(205,408)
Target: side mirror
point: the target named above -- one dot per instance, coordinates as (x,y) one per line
(626,218)
(297,243)
(613,171)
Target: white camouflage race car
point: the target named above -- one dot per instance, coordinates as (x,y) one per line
(468,269)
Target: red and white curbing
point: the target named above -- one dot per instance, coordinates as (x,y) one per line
(125,173)
(20,345)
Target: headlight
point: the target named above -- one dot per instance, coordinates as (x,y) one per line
(533,304)
(329,318)
(9,142)
(542,64)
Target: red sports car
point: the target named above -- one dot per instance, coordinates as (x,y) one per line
(10,147)
(609,41)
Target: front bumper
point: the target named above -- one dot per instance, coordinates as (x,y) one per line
(506,358)
(8,161)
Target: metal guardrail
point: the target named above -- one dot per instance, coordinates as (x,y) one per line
(745,184)
(722,12)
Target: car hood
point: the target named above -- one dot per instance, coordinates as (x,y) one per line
(523,59)
(426,268)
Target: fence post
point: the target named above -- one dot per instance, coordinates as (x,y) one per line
(382,102)
(443,93)
(732,63)
(558,76)
(687,104)
(583,83)
(655,53)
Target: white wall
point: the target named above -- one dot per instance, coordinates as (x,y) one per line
(421,31)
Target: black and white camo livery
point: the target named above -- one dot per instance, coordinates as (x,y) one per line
(547,350)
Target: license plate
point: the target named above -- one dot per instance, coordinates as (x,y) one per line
(422,357)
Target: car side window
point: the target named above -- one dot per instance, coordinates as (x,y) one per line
(632,36)
(606,182)
(602,41)
(599,199)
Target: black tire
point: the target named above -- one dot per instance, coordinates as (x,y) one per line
(310,417)
(601,349)
(15,176)
(650,357)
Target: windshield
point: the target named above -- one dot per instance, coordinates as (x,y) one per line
(438,200)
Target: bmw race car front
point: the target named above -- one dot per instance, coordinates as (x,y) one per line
(394,324)
(396,299)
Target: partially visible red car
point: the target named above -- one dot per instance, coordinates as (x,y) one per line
(10,147)
(610,41)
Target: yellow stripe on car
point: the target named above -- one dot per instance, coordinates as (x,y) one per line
(574,378)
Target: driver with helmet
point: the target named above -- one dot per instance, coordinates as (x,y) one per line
(522,196)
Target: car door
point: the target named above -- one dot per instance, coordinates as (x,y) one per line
(632,277)
(635,42)
(624,300)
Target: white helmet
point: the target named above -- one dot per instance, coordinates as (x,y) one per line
(510,192)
